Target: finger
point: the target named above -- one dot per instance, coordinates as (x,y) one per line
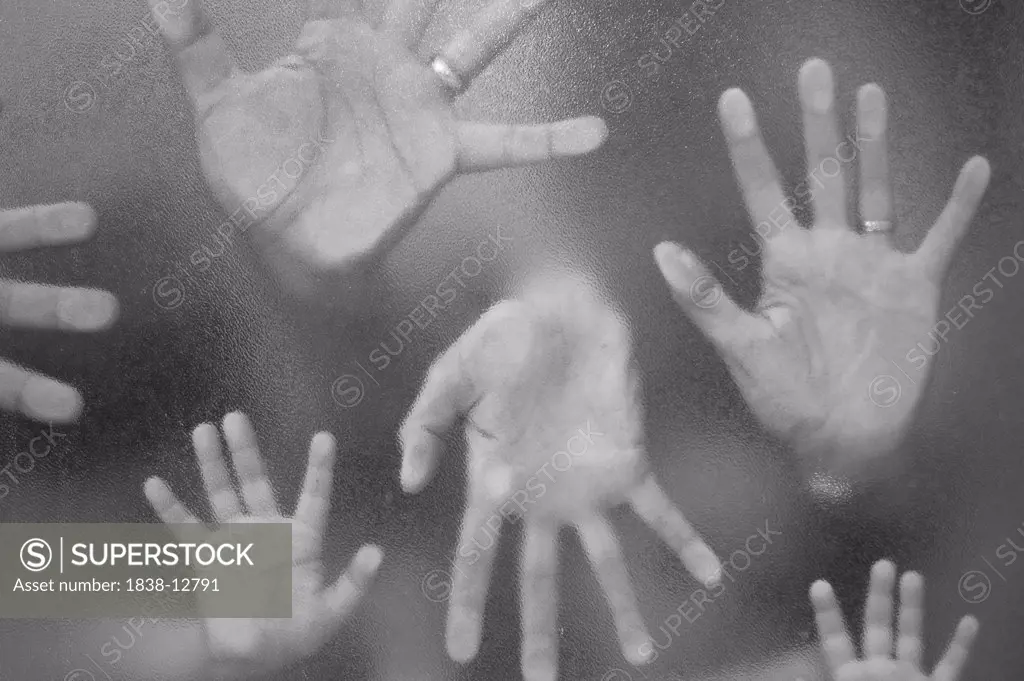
(909,646)
(341,598)
(202,55)
(478,544)
(940,244)
(333,9)
(652,504)
(821,138)
(223,500)
(53,225)
(167,506)
(835,640)
(471,50)
(493,353)
(952,663)
(485,146)
(538,593)
(876,203)
(38,306)
(755,171)
(447,392)
(405,21)
(245,452)
(705,301)
(603,549)
(878,611)
(36,396)
(315,500)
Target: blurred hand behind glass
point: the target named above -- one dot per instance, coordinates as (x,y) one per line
(877,661)
(333,151)
(554,430)
(838,305)
(237,647)
(40,306)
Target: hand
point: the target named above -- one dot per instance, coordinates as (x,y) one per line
(837,304)
(368,126)
(245,646)
(878,663)
(41,306)
(554,433)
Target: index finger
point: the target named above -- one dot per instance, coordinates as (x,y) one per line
(315,500)
(37,397)
(39,306)
(652,504)
(491,347)
(832,633)
(203,57)
(50,225)
(755,171)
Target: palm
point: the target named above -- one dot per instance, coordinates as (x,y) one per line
(843,309)
(244,645)
(554,435)
(828,359)
(384,126)
(332,151)
(879,670)
(267,641)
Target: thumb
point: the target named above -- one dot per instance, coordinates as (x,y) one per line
(697,291)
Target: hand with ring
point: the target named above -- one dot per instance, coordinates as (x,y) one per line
(546,390)
(41,306)
(839,306)
(331,153)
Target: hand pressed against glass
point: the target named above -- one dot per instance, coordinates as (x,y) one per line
(333,151)
(41,306)
(554,424)
(838,304)
(241,647)
(877,661)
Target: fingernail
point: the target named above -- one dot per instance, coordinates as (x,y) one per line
(369,558)
(816,85)
(77,221)
(579,137)
(737,113)
(87,310)
(46,399)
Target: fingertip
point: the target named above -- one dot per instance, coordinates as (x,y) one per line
(979,168)
(821,592)
(233,421)
(675,262)
(737,113)
(87,309)
(45,399)
(638,651)
(415,465)
(911,580)
(883,570)
(870,94)
(968,626)
(579,136)
(78,220)
(815,66)
(368,560)
(322,445)
(202,434)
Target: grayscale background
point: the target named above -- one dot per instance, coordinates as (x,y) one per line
(943,504)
